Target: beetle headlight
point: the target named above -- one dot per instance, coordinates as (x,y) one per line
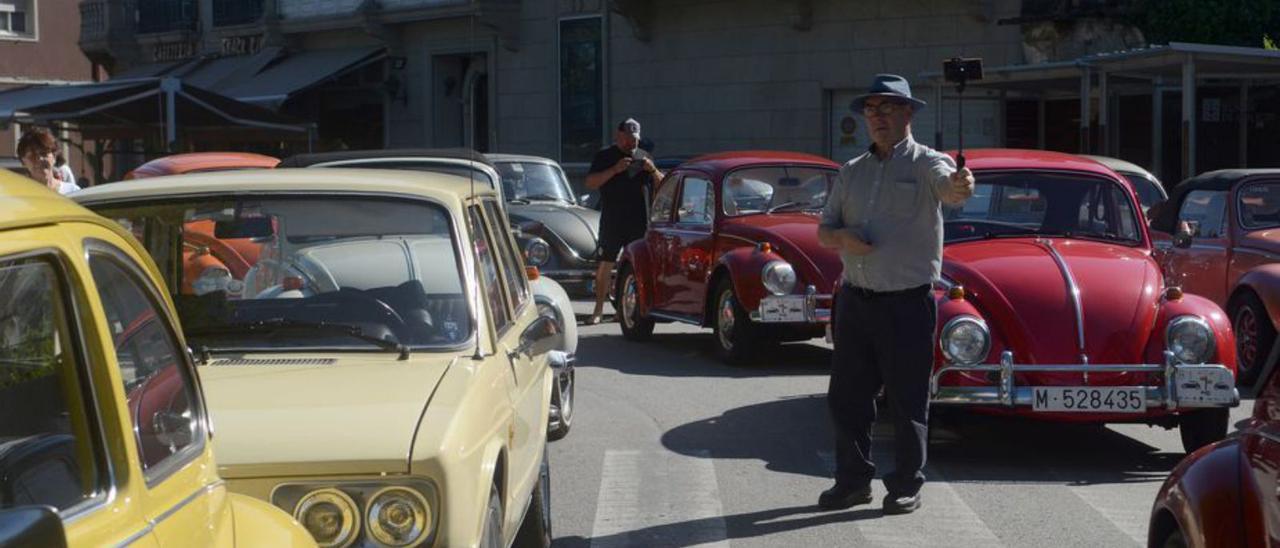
(1190,339)
(537,252)
(330,516)
(398,516)
(778,277)
(965,340)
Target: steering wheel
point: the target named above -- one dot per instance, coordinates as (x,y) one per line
(348,293)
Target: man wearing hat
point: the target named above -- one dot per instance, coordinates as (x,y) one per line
(625,175)
(884,216)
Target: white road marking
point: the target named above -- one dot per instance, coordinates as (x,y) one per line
(658,498)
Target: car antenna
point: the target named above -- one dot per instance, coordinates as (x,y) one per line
(471,175)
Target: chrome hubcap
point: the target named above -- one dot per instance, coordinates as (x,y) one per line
(629,301)
(726,319)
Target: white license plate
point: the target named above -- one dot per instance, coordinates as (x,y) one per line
(788,308)
(1088,399)
(1207,387)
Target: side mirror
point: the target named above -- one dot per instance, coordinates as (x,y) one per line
(543,336)
(32,526)
(1182,236)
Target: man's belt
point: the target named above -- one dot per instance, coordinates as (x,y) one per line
(868,293)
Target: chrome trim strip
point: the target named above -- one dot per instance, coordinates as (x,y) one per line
(1073,291)
(740,238)
(1262,253)
(153,522)
(673,317)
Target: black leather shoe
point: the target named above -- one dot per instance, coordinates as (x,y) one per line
(840,497)
(901,504)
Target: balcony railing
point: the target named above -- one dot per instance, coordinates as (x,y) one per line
(236,12)
(102,21)
(167,15)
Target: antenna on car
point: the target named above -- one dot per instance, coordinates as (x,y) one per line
(471,175)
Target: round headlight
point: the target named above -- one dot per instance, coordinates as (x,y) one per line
(778,277)
(398,516)
(537,252)
(1190,339)
(965,340)
(330,516)
(212,279)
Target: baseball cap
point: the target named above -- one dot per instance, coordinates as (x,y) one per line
(630,125)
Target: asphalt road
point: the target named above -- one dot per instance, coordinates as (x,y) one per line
(672,448)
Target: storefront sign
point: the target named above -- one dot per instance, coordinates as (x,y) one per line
(241,45)
(173,51)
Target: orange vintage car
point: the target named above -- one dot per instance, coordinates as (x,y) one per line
(210,263)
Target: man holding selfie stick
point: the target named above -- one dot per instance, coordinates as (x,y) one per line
(625,176)
(884,216)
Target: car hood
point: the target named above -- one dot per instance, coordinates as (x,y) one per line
(339,413)
(577,226)
(1019,286)
(1266,240)
(795,236)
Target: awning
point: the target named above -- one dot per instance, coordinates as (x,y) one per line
(300,71)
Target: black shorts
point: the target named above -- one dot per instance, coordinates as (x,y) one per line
(613,239)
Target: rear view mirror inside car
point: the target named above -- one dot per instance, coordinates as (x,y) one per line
(244,227)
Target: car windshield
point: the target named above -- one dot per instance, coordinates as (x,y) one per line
(776,188)
(1044,204)
(1148,191)
(306,272)
(533,181)
(1260,205)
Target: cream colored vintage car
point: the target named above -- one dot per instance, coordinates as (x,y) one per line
(380,370)
(104,438)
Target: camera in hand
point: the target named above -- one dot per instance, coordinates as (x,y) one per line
(637,163)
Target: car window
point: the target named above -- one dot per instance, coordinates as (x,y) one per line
(160,393)
(533,181)
(761,189)
(1260,205)
(697,202)
(661,210)
(490,282)
(1038,203)
(1204,212)
(257,272)
(48,455)
(1148,191)
(517,282)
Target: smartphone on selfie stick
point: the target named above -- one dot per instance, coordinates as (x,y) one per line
(961,71)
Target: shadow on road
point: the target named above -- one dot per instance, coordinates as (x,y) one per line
(788,435)
(692,355)
(748,525)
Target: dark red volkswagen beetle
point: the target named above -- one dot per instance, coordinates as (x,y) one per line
(732,245)
(1052,307)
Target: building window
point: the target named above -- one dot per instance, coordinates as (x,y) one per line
(581,88)
(17,18)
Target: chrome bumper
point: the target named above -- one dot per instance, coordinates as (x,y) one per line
(561,361)
(1008,394)
(812,312)
(575,274)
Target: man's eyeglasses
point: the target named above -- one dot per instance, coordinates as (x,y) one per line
(883,109)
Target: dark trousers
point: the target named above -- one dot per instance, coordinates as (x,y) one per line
(882,339)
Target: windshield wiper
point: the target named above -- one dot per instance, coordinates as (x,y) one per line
(275,325)
(784,205)
(544,197)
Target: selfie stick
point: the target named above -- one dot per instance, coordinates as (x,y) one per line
(960,82)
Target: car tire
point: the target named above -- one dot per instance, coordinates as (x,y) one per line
(1254,336)
(491,537)
(736,339)
(1174,540)
(562,399)
(1202,427)
(535,531)
(635,327)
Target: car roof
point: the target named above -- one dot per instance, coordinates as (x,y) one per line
(439,186)
(25,203)
(721,162)
(195,161)
(304,160)
(1014,158)
(1119,165)
(1223,179)
(496,158)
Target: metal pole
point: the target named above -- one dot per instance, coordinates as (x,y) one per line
(170,88)
(1104,112)
(1188,117)
(1086,89)
(1157,127)
(1243,119)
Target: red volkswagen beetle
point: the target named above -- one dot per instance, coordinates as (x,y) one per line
(1052,307)
(1220,236)
(733,245)
(1227,494)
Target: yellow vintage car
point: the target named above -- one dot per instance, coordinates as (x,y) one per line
(380,369)
(104,436)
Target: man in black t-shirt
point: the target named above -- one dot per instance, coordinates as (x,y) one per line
(625,176)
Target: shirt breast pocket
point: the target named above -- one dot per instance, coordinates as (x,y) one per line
(903,196)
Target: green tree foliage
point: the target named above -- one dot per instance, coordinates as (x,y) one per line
(1228,22)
